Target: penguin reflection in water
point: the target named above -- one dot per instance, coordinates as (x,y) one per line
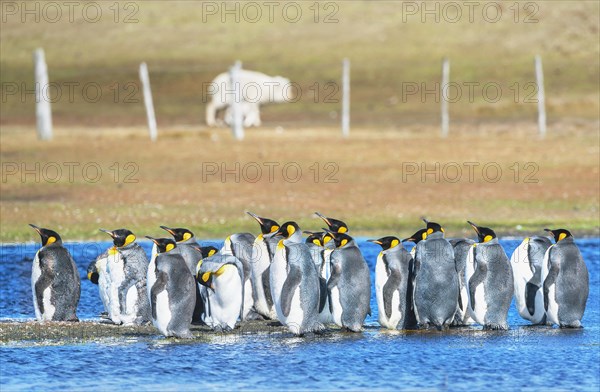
(120,273)
(172,295)
(55,281)
(565,281)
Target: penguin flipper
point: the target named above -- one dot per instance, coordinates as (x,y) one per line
(389,288)
(322,293)
(476,279)
(332,282)
(289,288)
(530,291)
(549,281)
(266,282)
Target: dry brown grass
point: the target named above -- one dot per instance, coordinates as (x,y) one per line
(370,193)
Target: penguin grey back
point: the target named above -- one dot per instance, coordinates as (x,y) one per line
(567,270)
(191,255)
(399,267)
(136,272)
(350,273)
(60,273)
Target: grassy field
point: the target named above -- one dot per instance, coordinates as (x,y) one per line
(372,180)
(377,185)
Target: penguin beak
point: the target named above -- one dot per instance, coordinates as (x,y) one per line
(408,239)
(152,239)
(110,233)
(551,232)
(474,226)
(375,241)
(425,220)
(258,218)
(36,228)
(332,233)
(325,219)
(168,229)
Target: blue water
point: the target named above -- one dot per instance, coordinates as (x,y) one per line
(524,357)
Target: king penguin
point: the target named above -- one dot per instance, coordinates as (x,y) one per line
(489,280)
(349,285)
(566,281)
(187,247)
(436,281)
(173,294)
(393,285)
(317,242)
(334,225)
(240,246)
(419,236)
(461,247)
(223,277)
(128,268)
(295,283)
(55,281)
(263,252)
(526,262)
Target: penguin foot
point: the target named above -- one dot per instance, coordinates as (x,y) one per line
(573,325)
(495,327)
(183,335)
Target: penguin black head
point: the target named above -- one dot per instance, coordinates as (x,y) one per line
(340,239)
(314,237)
(208,251)
(433,227)
(484,234)
(48,236)
(267,226)
(335,225)
(92,273)
(288,229)
(179,233)
(386,242)
(419,236)
(121,237)
(163,245)
(559,234)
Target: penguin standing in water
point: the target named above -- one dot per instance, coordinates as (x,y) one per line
(55,281)
(349,285)
(206,252)
(393,285)
(489,280)
(317,242)
(172,295)
(436,281)
(461,252)
(223,277)
(128,268)
(240,246)
(97,273)
(565,280)
(526,262)
(335,225)
(295,283)
(187,247)
(263,251)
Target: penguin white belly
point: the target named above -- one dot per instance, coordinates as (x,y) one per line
(36,273)
(226,302)
(117,276)
(478,311)
(277,276)
(103,283)
(336,306)
(131,306)
(260,258)
(396,313)
(295,319)
(464,313)
(380,279)
(519,262)
(163,313)
(552,311)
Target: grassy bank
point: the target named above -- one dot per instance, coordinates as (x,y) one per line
(380,182)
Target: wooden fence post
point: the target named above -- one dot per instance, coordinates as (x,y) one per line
(237,126)
(43,112)
(443,97)
(145,79)
(539,76)
(346,98)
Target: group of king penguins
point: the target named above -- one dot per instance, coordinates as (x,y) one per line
(323,279)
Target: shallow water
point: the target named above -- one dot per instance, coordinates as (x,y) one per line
(524,357)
